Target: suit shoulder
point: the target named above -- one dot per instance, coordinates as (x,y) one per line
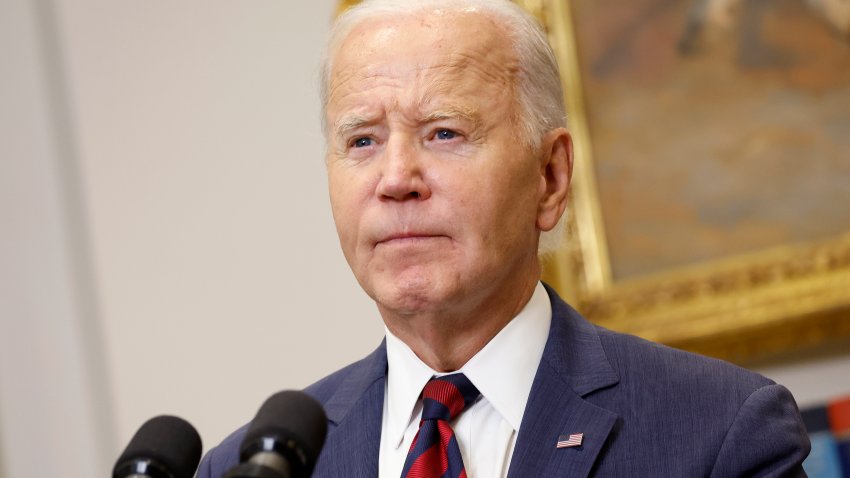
(643,366)
(324,389)
(635,358)
(222,457)
(716,407)
(226,454)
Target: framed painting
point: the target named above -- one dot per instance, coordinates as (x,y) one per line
(711,205)
(711,194)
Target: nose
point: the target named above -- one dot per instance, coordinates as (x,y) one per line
(402,173)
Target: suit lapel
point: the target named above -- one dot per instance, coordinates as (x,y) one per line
(574,365)
(354,415)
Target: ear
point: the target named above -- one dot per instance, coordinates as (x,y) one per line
(556,170)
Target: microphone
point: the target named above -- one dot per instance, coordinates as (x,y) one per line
(284,439)
(163,447)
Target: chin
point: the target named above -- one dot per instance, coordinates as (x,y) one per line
(408,295)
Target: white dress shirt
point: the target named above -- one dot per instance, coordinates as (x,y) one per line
(503,372)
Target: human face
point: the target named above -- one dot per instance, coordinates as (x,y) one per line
(435,194)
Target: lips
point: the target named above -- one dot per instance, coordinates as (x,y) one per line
(407,238)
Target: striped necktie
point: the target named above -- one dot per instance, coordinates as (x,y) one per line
(434,452)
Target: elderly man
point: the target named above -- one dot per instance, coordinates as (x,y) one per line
(447,159)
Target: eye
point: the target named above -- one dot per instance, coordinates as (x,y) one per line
(362,142)
(445,134)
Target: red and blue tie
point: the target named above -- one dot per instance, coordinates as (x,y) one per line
(434,452)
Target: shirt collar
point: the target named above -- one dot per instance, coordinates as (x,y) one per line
(503,371)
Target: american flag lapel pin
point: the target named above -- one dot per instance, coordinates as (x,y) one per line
(571,440)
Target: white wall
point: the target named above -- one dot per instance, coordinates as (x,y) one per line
(216,274)
(55,419)
(216,260)
(167,243)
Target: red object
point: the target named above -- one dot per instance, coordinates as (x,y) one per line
(434,452)
(839,416)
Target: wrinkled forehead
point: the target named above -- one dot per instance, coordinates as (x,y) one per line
(454,43)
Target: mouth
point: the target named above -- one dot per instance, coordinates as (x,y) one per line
(408,238)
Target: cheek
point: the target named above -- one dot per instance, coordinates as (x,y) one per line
(349,196)
(513,201)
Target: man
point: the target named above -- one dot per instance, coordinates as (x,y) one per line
(447,158)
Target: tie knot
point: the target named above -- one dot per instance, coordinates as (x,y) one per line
(443,398)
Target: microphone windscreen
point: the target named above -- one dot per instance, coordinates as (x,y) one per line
(293,418)
(171,441)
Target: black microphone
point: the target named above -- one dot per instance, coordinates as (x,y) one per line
(284,439)
(163,447)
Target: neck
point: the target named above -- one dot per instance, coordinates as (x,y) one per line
(446,339)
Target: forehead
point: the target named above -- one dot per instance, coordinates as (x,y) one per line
(428,53)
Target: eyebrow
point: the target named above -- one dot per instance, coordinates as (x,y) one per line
(355,121)
(348,123)
(452,112)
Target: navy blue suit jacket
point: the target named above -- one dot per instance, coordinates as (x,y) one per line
(644,409)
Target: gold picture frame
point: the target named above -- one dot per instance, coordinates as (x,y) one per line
(742,307)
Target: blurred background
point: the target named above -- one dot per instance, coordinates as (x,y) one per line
(166,243)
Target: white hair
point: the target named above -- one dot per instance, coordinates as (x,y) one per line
(540,99)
